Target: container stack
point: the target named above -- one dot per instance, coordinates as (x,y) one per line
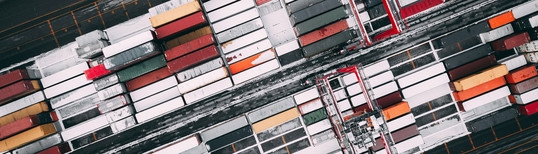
(320,25)
(90,44)
(412,7)
(523,86)
(189,144)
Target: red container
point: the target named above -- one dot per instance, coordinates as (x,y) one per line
(13,76)
(363,107)
(252,61)
(389,100)
(510,42)
(461,96)
(18,89)
(192,59)
(59,149)
(419,7)
(521,74)
(260,2)
(180,25)
(24,124)
(147,79)
(528,109)
(398,136)
(323,32)
(189,47)
(472,67)
(524,86)
(96,72)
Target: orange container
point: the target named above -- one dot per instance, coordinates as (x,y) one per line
(521,74)
(30,110)
(397,110)
(480,89)
(500,20)
(27,137)
(252,61)
(479,78)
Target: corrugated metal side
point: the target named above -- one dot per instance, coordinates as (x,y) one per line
(131,56)
(328,43)
(192,59)
(521,74)
(199,70)
(275,120)
(467,56)
(524,86)
(479,89)
(10,116)
(480,77)
(252,61)
(146,79)
(319,21)
(188,37)
(175,13)
(510,42)
(323,32)
(27,137)
(180,25)
(397,110)
(18,89)
(472,67)
(419,7)
(189,47)
(70,97)
(500,20)
(141,68)
(13,76)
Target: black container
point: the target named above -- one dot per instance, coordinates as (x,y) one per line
(328,43)
(229,138)
(290,57)
(492,119)
(312,11)
(467,56)
(301,4)
(72,121)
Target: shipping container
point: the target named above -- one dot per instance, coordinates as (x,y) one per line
(66,86)
(389,100)
(131,56)
(271,109)
(491,120)
(275,120)
(128,43)
(277,24)
(18,89)
(524,86)
(240,146)
(314,117)
(421,75)
(39,145)
(524,98)
(287,141)
(96,72)
(396,110)
(84,128)
(91,137)
(59,149)
(156,111)
(329,146)
(497,33)
(528,109)
(279,129)
(153,88)
(199,70)
(290,57)
(472,67)
(96,61)
(111,91)
(514,62)
(141,68)
(532,57)
(243,41)
(479,89)
(240,30)
(485,109)
(255,71)
(78,106)
(287,47)
(12,113)
(377,11)
(27,137)
(119,114)
(180,26)
(306,96)
(202,80)
(13,77)
(229,10)
(26,123)
(113,103)
(328,43)
(428,95)
(525,9)
(444,135)
(106,81)
(467,57)
(129,28)
(320,21)
(192,59)
(510,42)
(229,138)
(252,61)
(224,128)
(146,79)
(298,5)
(90,37)
(310,106)
(484,99)
(189,47)
(323,32)
(208,90)
(418,7)
(398,136)
(215,4)
(123,124)
(465,34)
(80,117)
(319,127)
(188,37)
(72,96)
(313,10)
(179,146)
(480,77)
(91,50)
(64,75)
(526,23)
(248,51)
(235,20)
(175,13)
(401,122)
(425,85)
(501,20)
(528,47)
(521,74)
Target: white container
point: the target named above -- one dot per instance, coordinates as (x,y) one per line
(106,81)
(532,57)
(358,100)
(369,71)
(208,90)
(340,94)
(113,103)
(319,127)
(307,95)
(223,128)
(497,33)
(529,47)
(380,79)
(277,24)
(421,75)
(21,103)
(215,4)
(428,95)
(385,89)
(405,3)
(526,97)
(188,74)
(255,71)
(229,10)
(248,51)
(235,20)
(127,44)
(486,98)
(40,145)
(120,125)
(287,47)
(129,28)
(166,6)
(364,16)
(310,106)
(534,21)
(409,144)
(202,80)
(485,109)
(90,37)
(243,40)
(514,62)
(158,98)
(158,110)
(78,106)
(66,86)
(323,147)
(179,146)
(72,96)
(525,9)
(84,128)
(425,85)
(271,109)
(239,30)
(153,88)
(119,114)
(344,105)
(111,91)
(64,75)
(400,122)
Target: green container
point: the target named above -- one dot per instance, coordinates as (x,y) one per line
(320,21)
(142,68)
(315,116)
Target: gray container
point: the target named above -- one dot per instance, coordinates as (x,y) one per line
(111,91)
(314,10)
(225,128)
(320,21)
(199,70)
(79,106)
(271,110)
(132,55)
(91,37)
(113,103)
(106,81)
(92,50)
(240,30)
(468,56)
(301,4)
